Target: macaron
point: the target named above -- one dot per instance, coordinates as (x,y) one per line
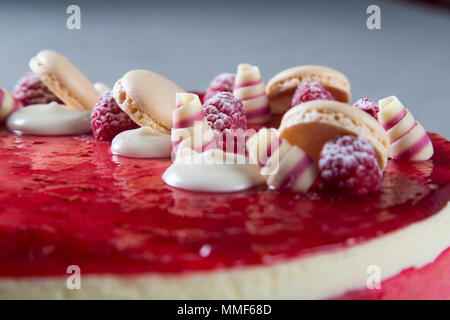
(64,79)
(311,124)
(282,86)
(148,98)
(8,104)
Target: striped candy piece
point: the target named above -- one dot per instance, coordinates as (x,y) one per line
(190,128)
(409,140)
(8,104)
(286,166)
(249,88)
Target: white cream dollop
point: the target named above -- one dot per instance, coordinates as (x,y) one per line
(142,143)
(212,171)
(51,119)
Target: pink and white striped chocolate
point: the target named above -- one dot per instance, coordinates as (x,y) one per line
(249,87)
(286,166)
(190,128)
(8,104)
(409,140)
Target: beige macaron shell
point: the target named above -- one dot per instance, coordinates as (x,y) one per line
(311,124)
(148,98)
(282,86)
(64,79)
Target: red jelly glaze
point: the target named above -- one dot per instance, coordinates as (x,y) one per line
(67,200)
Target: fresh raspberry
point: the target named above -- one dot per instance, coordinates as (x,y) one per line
(368,106)
(224,82)
(349,165)
(225,111)
(308,91)
(107,119)
(226,116)
(31,90)
(200,94)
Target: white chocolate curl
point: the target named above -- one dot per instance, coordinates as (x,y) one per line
(286,166)
(409,140)
(249,87)
(190,128)
(8,104)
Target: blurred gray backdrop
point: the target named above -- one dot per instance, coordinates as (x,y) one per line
(192,41)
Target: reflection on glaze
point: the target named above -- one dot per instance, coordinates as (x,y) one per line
(212,171)
(142,143)
(51,119)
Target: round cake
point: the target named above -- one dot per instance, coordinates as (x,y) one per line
(246,191)
(67,201)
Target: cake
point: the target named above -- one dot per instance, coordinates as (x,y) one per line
(67,201)
(79,222)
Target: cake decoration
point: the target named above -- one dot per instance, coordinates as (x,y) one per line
(101,87)
(64,79)
(282,86)
(143,143)
(148,98)
(8,104)
(213,170)
(309,91)
(285,166)
(349,164)
(31,90)
(264,145)
(224,82)
(312,124)
(190,128)
(107,119)
(200,94)
(367,105)
(226,116)
(409,140)
(50,119)
(249,88)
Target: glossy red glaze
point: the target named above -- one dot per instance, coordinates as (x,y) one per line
(67,200)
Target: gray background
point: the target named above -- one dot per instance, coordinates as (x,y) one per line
(190,42)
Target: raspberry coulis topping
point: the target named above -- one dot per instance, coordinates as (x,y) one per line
(31,90)
(107,119)
(309,91)
(73,203)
